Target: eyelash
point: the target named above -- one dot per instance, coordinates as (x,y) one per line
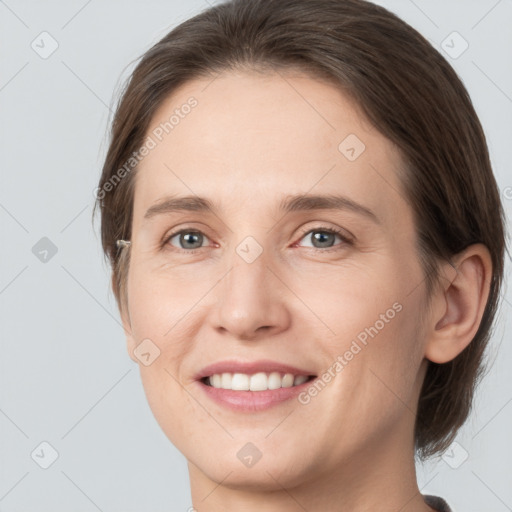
(345,239)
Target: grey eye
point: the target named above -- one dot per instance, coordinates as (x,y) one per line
(321,238)
(188,239)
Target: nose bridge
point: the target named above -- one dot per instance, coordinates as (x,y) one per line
(249,300)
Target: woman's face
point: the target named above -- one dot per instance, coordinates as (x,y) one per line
(260,280)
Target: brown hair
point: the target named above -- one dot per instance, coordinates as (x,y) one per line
(406,89)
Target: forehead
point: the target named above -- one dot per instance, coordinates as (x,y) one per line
(246,139)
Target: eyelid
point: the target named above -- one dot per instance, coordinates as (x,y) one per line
(346,237)
(346,240)
(343,233)
(187,229)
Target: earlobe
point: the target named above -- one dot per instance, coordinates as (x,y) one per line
(459,304)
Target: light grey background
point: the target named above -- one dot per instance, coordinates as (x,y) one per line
(65,376)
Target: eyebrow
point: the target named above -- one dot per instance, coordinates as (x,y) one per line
(291,203)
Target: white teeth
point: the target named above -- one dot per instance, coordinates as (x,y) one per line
(216,380)
(300,379)
(240,382)
(225,381)
(257,382)
(287,381)
(274,380)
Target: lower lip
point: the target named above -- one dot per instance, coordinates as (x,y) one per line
(251,401)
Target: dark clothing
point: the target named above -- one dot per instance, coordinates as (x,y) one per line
(437,503)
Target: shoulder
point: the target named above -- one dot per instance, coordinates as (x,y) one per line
(437,503)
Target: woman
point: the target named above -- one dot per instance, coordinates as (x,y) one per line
(307,246)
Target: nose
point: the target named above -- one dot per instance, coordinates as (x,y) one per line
(251,301)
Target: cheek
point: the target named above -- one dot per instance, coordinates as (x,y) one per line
(160,314)
(353,302)
(170,405)
(375,336)
(160,300)
(389,351)
(377,387)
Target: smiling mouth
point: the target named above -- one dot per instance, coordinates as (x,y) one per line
(260,381)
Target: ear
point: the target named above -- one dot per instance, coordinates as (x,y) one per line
(125,320)
(459,304)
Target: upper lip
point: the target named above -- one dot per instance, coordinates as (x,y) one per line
(250,367)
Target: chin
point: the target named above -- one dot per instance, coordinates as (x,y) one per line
(270,473)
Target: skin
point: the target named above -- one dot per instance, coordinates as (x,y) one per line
(251,140)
